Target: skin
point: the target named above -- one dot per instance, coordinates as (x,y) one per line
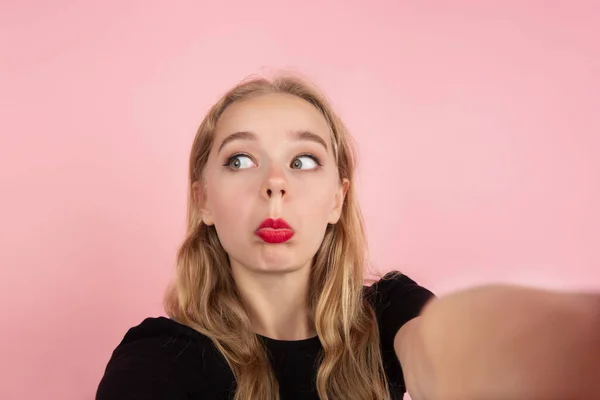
(274,178)
(503,342)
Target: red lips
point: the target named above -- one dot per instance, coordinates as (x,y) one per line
(275,231)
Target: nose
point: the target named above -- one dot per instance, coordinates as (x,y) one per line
(271,193)
(275,188)
(275,184)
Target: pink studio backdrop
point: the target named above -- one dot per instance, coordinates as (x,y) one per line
(478,126)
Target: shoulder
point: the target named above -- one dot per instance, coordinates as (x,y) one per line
(161,358)
(154,329)
(398,294)
(163,338)
(396,299)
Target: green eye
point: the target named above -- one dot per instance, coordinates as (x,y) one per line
(305,162)
(239,161)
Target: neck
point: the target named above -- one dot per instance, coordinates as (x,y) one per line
(276,302)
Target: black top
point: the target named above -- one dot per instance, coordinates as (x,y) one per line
(162,359)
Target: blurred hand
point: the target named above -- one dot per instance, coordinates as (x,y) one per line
(508,342)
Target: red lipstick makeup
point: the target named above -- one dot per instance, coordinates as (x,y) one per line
(274,231)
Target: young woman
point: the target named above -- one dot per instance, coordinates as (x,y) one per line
(269,301)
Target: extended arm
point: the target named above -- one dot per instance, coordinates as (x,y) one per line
(503,342)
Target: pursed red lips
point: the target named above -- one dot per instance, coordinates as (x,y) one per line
(275,231)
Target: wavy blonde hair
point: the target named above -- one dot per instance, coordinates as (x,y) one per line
(203,295)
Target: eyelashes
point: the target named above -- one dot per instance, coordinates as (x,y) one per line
(311,156)
(235,162)
(236,157)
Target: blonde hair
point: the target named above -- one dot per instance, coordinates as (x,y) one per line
(203,295)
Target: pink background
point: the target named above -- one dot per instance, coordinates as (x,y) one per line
(478,125)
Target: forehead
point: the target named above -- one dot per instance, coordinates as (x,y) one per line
(272,114)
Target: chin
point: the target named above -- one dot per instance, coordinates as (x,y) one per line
(277,257)
(283,258)
(277,265)
(273,263)
(278,269)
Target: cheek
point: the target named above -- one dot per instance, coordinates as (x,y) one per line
(319,196)
(228,200)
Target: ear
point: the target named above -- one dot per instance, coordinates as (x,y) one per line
(338,205)
(199,195)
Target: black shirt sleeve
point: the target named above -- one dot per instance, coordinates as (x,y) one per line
(144,367)
(396,300)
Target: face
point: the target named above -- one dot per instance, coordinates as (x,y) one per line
(271,158)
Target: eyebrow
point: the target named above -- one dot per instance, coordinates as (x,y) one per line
(296,135)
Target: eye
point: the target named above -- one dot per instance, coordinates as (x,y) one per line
(305,162)
(240,161)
